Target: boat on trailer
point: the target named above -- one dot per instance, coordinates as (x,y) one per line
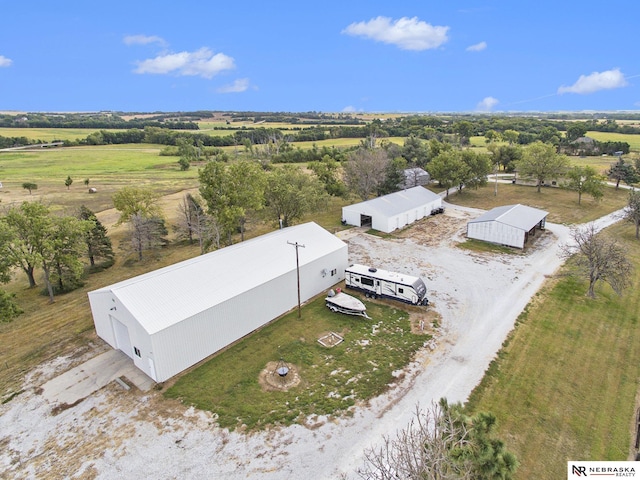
(344,303)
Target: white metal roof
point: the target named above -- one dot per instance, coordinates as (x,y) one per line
(518,216)
(171,294)
(396,203)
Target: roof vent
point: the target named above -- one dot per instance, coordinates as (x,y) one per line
(371,269)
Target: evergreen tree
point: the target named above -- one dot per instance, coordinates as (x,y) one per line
(98,243)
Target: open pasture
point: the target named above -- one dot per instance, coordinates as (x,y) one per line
(51,134)
(108,169)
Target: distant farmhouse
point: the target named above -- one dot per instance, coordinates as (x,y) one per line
(510,225)
(170,319)
(393,211)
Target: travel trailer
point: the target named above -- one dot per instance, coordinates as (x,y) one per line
(375,282)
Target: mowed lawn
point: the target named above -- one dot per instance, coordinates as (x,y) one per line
(561,204)
(564,387)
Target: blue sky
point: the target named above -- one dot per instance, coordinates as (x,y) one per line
(330,56)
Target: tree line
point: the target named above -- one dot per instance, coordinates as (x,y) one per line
(33,238)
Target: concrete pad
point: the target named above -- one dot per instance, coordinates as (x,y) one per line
(92,375)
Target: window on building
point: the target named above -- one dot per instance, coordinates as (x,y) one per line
(334,271)
(136,350)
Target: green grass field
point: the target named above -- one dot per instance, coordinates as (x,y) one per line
(51,134)
(565,385)
(331,379)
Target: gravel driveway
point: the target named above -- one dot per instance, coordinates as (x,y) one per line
(114,435)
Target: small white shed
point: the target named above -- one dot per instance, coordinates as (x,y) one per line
(392,211)
(510,225)
(169,319)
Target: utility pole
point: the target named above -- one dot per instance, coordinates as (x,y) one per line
(297,245)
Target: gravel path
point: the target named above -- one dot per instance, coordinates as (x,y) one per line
(113,434)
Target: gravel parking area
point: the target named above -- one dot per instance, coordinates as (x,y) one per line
(116,434)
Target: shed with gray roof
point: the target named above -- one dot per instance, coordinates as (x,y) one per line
(510,225)
(392,211)
(170,319)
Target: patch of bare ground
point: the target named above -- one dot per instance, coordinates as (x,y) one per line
(436,230)
(270,379)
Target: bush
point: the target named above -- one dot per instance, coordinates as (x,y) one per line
(8,308)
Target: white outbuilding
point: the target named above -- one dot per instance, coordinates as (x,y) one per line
(170,319)
(392,211)
(510,225)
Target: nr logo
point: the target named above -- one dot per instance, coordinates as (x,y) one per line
(578,470)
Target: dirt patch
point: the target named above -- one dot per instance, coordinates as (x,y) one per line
(438,230)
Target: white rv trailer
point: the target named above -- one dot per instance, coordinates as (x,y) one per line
(375,282)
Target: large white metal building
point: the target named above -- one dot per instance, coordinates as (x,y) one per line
(510,225)
(393,211)
(174,317)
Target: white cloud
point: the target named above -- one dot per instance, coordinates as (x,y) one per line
(596,81)
(405,33)
(201,63)
(239,85)
(487,104)
(478,47)
(143,40)
(349,109)
(5,62)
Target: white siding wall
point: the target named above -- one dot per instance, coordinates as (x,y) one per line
(194,339)
(352,217)
(495,232)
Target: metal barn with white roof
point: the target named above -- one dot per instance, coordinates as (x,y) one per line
(170,319)
(510,225)
(392,211)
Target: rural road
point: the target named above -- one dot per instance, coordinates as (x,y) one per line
(113,435)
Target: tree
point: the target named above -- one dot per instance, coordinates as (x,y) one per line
(130,201)
(29,186)
(540,161)
(194,223)
(394,178)
(575,131)
(35,237)
(290,194)
(415,151)
(61,254)
(478,166)
(231,191)
(621,171)
(464,129)
(68,182)
(585,180)
(327,171)
(506,155)
(365,171)
(491,136)
(632,211)
(442,443)
(448,169)
(97,242)
(510,136)
(146,233)
(599,258)
(19,228)
(139,207)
